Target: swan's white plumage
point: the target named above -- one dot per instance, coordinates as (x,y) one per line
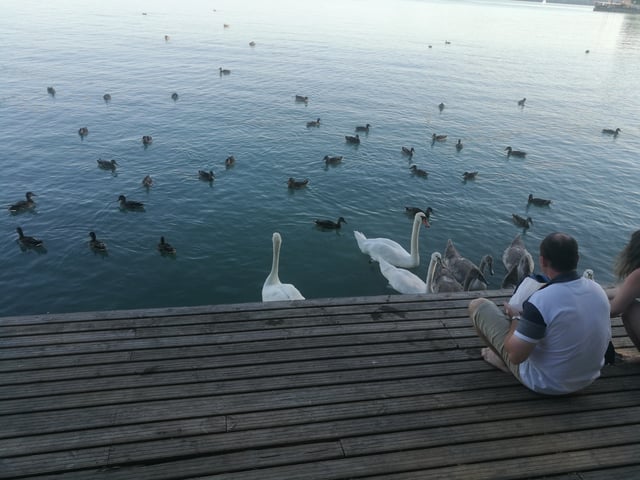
(390,250)
(401,280)
(272,289)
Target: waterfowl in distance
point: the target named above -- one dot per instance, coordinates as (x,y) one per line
(301,98)
(418,171)
(328,160)
(408,151)
(441,106)
(314,123)
(413,210)
(165,248)
(96,244)
(206,176)
(130,204)
(609,131)
(174,96)
(23,205)
(515,153)
(106,97)
(107,164)
(521,102)
(538,201)
(147,140)
(26,241)
(230,161)
(521,221)
(293,183)
(438,138)
(459,145)
(224,71)
(469,176)
(330,224)
(147,181)
(352,139)
(83,131)
(51,91)
(364,128)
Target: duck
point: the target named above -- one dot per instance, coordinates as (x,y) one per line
(364,128)
(332,160)
(166,248)
(207,176)
(609,131)
(330,224)
(166,38)
(515,153)
(459,145)
(441,106)
(447,42)
(293,183)
(51,91)
(83,131)
(224,71)
(106,97)
(273,290)
(174,96)
(438,138)
(252,43)
(413,210)
(521,221)
(23,205)
(314,123)
(230,161)
(408,151)
(301,98)
(147,139)
(440,279)
(517,261)
(147,181)
(469,175)
(390,250)
(418,171)
(130,204)
(521,102)
(28,242)
(96,244)
(460,267)
(352,139)
(107,164)
(538,201)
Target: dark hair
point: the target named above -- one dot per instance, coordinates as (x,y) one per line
(629,258)
(561,250)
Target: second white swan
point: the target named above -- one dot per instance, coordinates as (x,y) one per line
(273,290)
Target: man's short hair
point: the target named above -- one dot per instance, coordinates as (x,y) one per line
(561,250)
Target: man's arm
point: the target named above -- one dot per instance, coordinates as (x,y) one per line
(517,348)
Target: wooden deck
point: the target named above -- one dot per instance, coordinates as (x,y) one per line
(386,387)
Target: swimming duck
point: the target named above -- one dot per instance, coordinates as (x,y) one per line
(413,210)
(252,44)
(314,123)
(273,289)
(538,201)
(293,183)
(608,131)
(224,71)
(390,250)
(28,242)
(459,145)
(515,153)
(438,138)
(207,176)
(107,97)
(521,102)
(521,221)
(83,131)
(408,151)
(418,171)
(518,262)
(107,164)
(174,96)
(229,161)
(23,205)
(51,91)
(147,181)
(300,98)
(96,244)
(469,176)
(130,204)
(330,224)
(447,42)
(226,25)
(441,106)
(165,248)
(166,38)
(332,160)
(360,128)
(352,139)
(147,139)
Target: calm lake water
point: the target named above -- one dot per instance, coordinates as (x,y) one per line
(358,62)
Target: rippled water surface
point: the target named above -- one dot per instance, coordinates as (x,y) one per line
(358,62)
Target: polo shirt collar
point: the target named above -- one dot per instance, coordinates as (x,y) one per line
(566,277)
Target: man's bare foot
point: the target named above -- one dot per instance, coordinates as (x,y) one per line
(627,356)
(491,358)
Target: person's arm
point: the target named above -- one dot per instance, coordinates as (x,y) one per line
(626,293)
(517,348)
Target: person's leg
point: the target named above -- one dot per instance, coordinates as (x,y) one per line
(492,326)
(631,322)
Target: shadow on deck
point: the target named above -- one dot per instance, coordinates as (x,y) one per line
(373,387)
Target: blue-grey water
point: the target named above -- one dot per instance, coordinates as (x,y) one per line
(358,62)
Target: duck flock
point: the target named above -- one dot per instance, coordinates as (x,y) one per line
(448,271)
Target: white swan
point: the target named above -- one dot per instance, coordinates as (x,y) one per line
(518,262)
(401,280)
(392,251)
(273,290)
(440,279)
(460,267)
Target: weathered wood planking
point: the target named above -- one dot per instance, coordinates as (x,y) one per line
(371,387)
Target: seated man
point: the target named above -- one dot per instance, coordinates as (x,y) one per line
(557,344)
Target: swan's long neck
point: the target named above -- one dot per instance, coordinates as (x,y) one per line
(430,273)
(273,276)
(415,254)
